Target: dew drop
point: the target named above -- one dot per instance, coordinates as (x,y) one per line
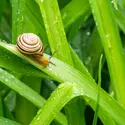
(88,33)
(107,35)
(88,60)
(64,15)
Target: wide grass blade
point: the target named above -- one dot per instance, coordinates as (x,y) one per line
(102,10)
(4,121)
(18,7)
(55,103)
(57,41)
(26,92)
(63,94)
(36,18)
(67,74)
(54,28)
(22,103)
(73,11)
(120,18)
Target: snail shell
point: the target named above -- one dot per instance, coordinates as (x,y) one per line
(29,43)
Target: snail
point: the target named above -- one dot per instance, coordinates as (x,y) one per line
(30,44)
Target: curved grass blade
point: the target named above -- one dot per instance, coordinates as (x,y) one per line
(36,18)
(22,103)
(63,72)
(54,104)
(102,10)
(55,31)
(4,121)
(120,18)
(26,92)
(121,4)
(18,7)
(57,41)
(73,11)
(98,92)
(63,94)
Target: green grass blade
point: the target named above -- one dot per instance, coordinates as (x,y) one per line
(78,64)
(55,103)
(26,92)
(105,118)
(7,113)
(63,72)
(63,94)
(63,3)
(22,104)
(28,70)
(76,111)
(98,92)
(21,88)
(115,4)
(9,99)
(4,121)
(55,31)
(121,4)
(18,7)
(5,28)
(75,27)
(2,6)
(73,11)
(91,58)
(111,42)
(1,107)
(36,18)
(120,18)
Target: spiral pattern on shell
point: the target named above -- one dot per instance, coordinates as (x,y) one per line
(29,43)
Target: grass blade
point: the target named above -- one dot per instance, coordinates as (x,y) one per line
(120,18)
(4,121)
(44,117)
(73,11)
(36,18)
(98,92)
(18,7)
(54,28)
(111,42)
(67,73)
(22,103)
(25,91)
(63,94)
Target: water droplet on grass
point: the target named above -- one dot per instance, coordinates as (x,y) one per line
(88,33)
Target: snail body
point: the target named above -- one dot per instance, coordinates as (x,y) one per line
(43,60)
(30,44)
